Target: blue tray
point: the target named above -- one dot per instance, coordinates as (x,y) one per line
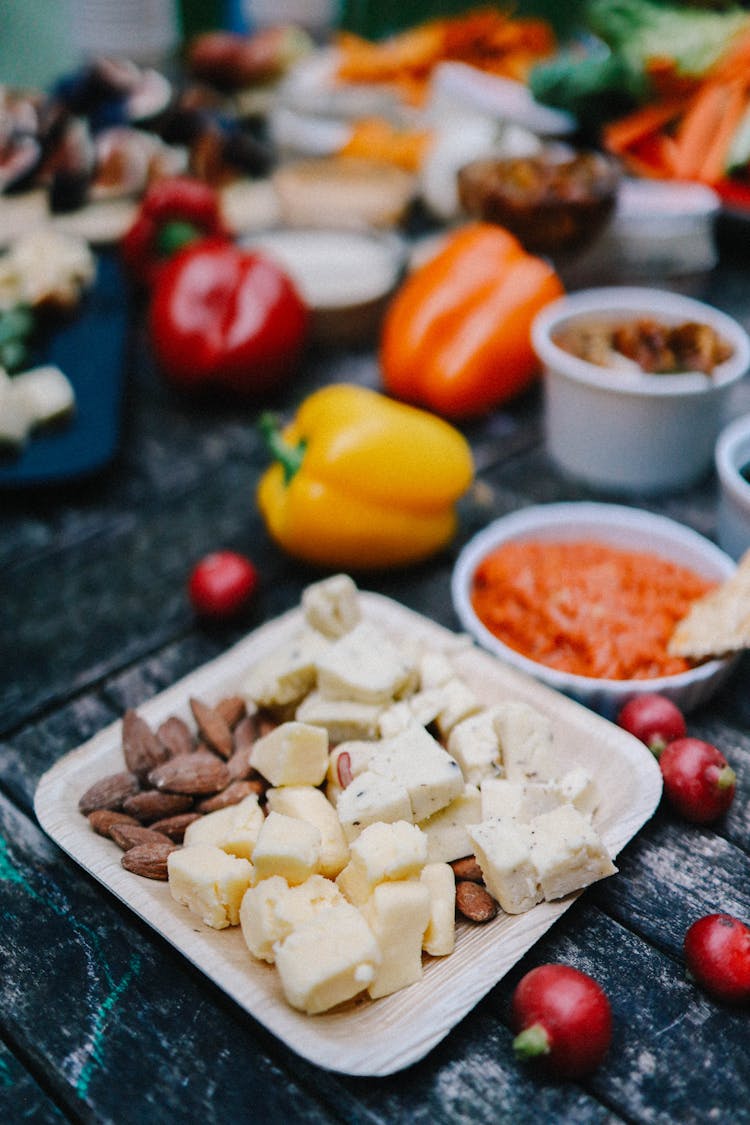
(90,350)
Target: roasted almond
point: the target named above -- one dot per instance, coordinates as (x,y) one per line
(176,735)
(232,708)
(213,727)
(467,868)
(200,773)
(128,835)
(239,765)
(235,792)
(109,792)
(151,805)
(140,746)
(148,860)
(101,820)
(475,902)
(174,826)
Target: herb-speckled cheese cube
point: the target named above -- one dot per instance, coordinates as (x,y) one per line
(398,915)
(567,852)
(475,744)
(271,910)
(327,960)
(210,882)
(234,829)
(332,605)
(416,760)
(293,753)
(310,804)
(363,665)
(287,674)
(518,800)
(288,847)
(503,851)
(525,742)
(371,798)
(344,719)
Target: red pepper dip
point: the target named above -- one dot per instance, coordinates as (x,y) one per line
(586,607)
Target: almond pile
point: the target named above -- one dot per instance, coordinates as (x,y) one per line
(172,776)
(175,775)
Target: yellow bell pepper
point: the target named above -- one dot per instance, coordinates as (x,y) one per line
(361,481)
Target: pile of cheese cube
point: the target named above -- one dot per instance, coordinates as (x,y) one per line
(343,880)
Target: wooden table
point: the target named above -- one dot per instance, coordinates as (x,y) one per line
(101,1019)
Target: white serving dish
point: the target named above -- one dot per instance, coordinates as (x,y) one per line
(619,526)
(344,276)
(383,1036)
(626,431)
(732,454)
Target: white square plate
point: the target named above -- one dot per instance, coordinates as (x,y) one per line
(369,1037)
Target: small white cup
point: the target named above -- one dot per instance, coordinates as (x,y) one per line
(732,455)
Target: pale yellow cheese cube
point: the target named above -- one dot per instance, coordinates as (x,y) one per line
(293,753)
(382,852)
(579,788)
(310,804)
(458,701)
(398,915)
(272,909)
(332,605)
(371,798)
(343,719)
(525,742)
(518,800)
(327,960)
(435,669)
(363,666)
(475,744)
(210,882)
(446,830)
(440,936)
(396,718)
(417,761)
(235,829)
(288,847)
(567,852)
(503,851)
(287,674)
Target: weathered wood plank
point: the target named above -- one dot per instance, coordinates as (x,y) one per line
(21,1099)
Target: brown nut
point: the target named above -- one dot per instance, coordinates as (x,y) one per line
(128,835)
(467,868)
(176,735)
(213,727)
(109,792)
(475,902)
(149,860)
(101,820)
(140,746)
(196,774)
(151,805)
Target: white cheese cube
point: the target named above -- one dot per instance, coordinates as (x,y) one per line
(398,915)
(45,394)
(310,804)
(579,788)
(332,605)
(288,847)
(518,800)
(458,701)
(287,674)
(416,760)
(363,665)
(382,853)
(234,829)
(567,852)
(525,742)
(446,830)
(327,960)
(15,417)
(440,936)
(371,798)
(396,718)
(503,851)
(293,753)
(209,882)
(475,744)
(426,705)
(271,910)
(344,719)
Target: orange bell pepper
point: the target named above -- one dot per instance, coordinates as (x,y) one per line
(456,337)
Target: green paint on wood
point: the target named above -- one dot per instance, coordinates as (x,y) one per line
(95,1050)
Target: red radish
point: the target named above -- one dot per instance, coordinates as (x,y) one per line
(698,781)
(654,719)
(221,584)
(563,1017)
(717,952)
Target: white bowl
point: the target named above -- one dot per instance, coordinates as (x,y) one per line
(733,454)
(626,431)
(619,526)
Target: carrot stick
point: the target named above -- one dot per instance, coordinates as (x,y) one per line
(621,134)
(698,128)
(713,165)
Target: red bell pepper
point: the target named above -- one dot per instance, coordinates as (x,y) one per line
(227,318)
(172,213)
